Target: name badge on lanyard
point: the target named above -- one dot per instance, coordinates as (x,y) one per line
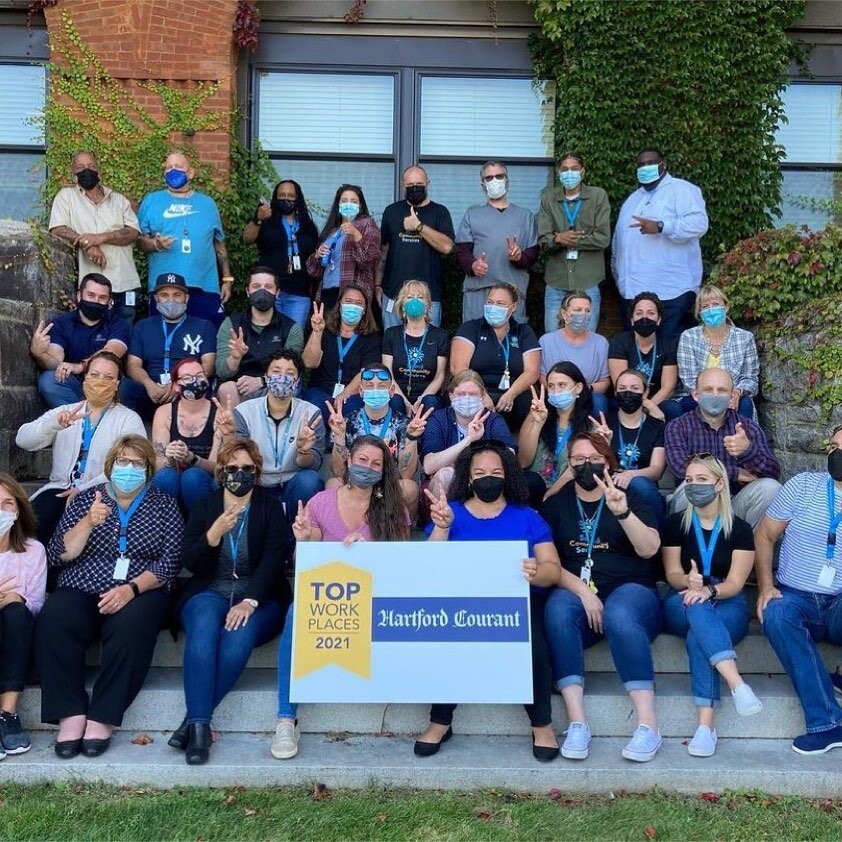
(834,518)
(572,216)
(165,378)
(589,526)
(342,352)
(505,381)
(121,566)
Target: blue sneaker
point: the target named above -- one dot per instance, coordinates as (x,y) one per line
(577,741)
(643,745)
(818,743)
(836,681)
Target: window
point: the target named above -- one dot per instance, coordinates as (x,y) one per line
(812,167)
(21,144)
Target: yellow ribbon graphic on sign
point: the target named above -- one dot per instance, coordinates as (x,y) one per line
(333,620)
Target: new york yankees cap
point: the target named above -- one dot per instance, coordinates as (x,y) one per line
(170,279)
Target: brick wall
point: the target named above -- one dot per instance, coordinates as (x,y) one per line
(182,42)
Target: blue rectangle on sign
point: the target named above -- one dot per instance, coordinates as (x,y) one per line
(450,619)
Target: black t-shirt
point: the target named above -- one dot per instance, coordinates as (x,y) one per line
(624,347)
(614,560)
(410,256)
(274,253)
(364,351)
(634,446)
(424,362)
(741,538)
(488,359)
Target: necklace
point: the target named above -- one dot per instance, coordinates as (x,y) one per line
(716,345)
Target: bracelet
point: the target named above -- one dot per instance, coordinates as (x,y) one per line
(412,438)
(714,593)
(135,589)
(624,515)
(194,460)
(227,279)
(256,221)
(420,228)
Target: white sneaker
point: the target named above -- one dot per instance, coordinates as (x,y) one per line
(703,743)
(643,745)
(285,741)
(576,741)
(745,701)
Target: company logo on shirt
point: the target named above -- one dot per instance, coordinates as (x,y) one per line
(192,344)
(175,210)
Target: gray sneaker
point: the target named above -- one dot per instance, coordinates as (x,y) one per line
(13,738)
(285,742)
(577,741)
(643,745)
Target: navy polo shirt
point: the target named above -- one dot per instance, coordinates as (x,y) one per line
(79,340)
(194,337)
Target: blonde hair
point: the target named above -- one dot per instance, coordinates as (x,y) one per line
(724,509)
(464,377)
(709,292)
(410,289)
(570,297)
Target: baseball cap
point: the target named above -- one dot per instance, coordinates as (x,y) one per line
(170,279)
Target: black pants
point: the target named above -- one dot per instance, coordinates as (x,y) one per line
(48,510)
(16,625)
(68,624)
(540,711)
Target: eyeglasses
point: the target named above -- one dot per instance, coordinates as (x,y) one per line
(94,375)
(189,378)
(492,176)
(368,375)
(580,460)
(124,462)
(246,469)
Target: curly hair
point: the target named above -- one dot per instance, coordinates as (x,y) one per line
(583,407)
(514,485)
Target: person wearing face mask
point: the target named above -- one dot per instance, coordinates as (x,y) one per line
(366,507)
(159,342)
(349,248)
(62,346)
(181,231)
(80,435)
(416,233)
(495,243)
(708,554)
(23,582)
(503,351)
(717,343)
(185,438)
(286,236)
(738,442)
(801,604)
(238,594)
(643,348)
(606,537)
(246,341)
(117,549)
(574,341)
(574,229)
(656,243)
(101,226)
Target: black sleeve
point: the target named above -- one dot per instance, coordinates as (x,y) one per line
(389,340)
(673,534)
(442,343)
(658,438)
(671,353)
(444,222)
(277,547)
(642,509)
(198,556)
(469,330)
(528,339)
(617,348)
(742,538)
(550,511)
(370,353)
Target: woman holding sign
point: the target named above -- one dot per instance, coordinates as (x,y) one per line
(118,549)
(367,507)
(708,554)
(606,537)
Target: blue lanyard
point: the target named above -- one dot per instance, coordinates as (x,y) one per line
(504,346)
(343,352)
(706,550)
(125,517)
(629,453)
(292,239)
(234,544)
(573,215)
(647,369)
(833,519)
(383,428)
(590,524)
(409,365)
(168,338)
(273,436)
(560,444)
(88,433)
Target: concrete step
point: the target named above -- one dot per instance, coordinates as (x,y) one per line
(466,762)
(252,705)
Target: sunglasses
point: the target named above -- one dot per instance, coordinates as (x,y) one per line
(246,469)
(486,444)
(368,375)
(701,456)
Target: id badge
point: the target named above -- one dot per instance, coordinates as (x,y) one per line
(390,305)
(131,298)
(505,383)
(826,577)
(185,247)
(585,574)
(121,568)
(296,263)
(572,254)
(338,389)
(164,378)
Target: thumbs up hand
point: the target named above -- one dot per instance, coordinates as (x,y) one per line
(739,443)
(695,580)
(98,511)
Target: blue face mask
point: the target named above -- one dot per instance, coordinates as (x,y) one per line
(495,315)
(570,178)
(375,398)
(127,479)
(414,308)
(351,313)
(349,210)
(713,316)
(561,400)
(176,179)
(648,174)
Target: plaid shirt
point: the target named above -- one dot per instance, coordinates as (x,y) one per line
(690,434)
(359,260)
(738,356)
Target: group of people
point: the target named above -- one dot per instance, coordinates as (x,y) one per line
(298,420)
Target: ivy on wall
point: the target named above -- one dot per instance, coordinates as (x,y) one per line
(701,81)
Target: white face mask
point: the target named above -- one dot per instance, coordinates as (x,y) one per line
(496,188)
(7,521)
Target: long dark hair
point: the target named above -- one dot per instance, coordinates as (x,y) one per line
(305,221)
(24,526)
(367,323)
(386,515)
(514,485)
(581,409)
(334,220)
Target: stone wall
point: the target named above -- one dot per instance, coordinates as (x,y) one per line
(28,292)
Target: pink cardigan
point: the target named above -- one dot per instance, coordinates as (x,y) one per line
(30,569)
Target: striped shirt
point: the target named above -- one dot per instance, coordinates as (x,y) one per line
(802,502)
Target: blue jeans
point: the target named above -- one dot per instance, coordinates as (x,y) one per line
(794,624)
(189,487)
(552,303)
(304,485)
(600,404)
(297,307)
(671,408)
(745,407)
(214,659)
(678,315)
(134,396)
(317,397)
(390,319)
(58,394)
(632,620)
(712,632)
(286,709)
(648,492)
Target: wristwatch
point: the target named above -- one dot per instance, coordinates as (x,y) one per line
(252,602)
(134,587)
(660,226)
(624,515)
(714,593)
(420,228)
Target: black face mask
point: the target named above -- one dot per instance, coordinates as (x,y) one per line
(283,207)
(262,300)
(195,390)
(629,401)
(87,179)
(584,475)
(416,194)
(488,489)
(93,310)
(238,483)
(834,463)
(645,327)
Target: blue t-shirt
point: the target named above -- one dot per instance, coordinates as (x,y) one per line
(192,338)
(79,340)
(193,222)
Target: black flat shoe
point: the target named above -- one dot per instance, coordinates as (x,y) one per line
(544,753)
(198,744)
(67,749)
(94,748)
(422,749)
(179,737)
